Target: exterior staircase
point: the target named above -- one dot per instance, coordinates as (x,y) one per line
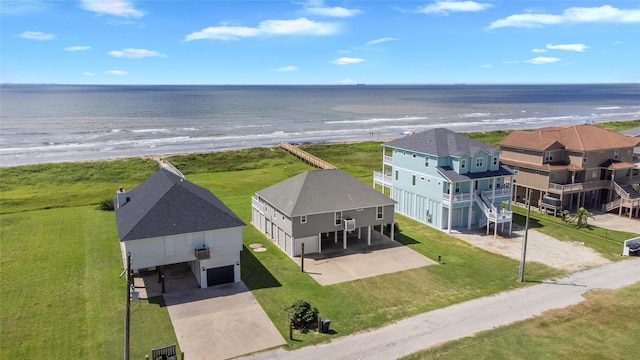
(629,198)
(491,212)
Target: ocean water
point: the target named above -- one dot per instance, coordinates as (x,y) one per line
(55,123)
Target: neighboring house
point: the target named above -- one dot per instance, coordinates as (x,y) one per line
(565,168)
(634,132)
(168,220)
(319,206)
(446,180)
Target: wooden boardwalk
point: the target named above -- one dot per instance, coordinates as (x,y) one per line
(313,160)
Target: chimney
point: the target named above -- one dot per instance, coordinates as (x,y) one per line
(121,197)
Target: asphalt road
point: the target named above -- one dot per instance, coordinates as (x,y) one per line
(426,330)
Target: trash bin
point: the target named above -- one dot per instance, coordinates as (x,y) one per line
(325,325)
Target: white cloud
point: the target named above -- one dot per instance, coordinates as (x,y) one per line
(17,7)
(543,60)
(77,48)
(87,73)
(380,41)
(510,62)
(486,66)
(300,26)
(286,68)
(347,61)
(539,50)
(135,53)
(446,7)
(347,82)
(122,8)
(116,72)
(317,7)
(602,14)
(36,35)
(568,47)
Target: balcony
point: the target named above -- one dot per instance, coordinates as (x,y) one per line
(456,198)
(383,179)
(498,193)
(387,160)
(578,187)
(262,209)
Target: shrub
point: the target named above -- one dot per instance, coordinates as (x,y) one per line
(302,315)
(106,205)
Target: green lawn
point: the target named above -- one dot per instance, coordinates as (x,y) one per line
(61,292)
(604,326)
(60,258)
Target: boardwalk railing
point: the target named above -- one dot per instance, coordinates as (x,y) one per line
(313,160)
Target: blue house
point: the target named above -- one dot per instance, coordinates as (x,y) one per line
(446,180)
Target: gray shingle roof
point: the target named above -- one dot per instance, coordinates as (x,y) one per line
(441,142)
(166,204)
(322,191)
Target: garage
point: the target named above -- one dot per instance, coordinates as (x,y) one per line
(220,275)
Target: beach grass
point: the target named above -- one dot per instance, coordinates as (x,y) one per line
(60,257)
(604,326)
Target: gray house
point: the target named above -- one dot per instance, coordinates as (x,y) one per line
(319,206)
(169,220)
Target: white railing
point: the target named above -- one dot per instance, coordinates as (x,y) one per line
(457,197)
(382,178)
(498,193)
(387,159)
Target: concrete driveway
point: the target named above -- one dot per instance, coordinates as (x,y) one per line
(219,322)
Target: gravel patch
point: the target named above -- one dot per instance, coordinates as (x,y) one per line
(540,248)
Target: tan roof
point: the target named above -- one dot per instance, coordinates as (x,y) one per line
(577,137)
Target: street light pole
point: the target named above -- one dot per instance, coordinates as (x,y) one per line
(526,232)
(127,319)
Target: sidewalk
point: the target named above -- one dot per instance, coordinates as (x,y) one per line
(429,329)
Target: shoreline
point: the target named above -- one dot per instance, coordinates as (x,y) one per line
(162,156)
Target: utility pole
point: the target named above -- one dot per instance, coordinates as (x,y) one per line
(526,232)
(127,319)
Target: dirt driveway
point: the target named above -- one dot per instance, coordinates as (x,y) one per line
(540,248)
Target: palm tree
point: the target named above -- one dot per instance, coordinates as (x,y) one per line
(581,217)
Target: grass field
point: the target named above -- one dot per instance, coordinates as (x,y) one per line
(60,258)
(604,326)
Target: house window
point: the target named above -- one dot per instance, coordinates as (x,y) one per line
(463,163)
(379,213)
(495,160)
(584,158)
(413,180)
(303,219)
(396,174)
(548,156)
(616,153)
(457,188)
(479,162)
(338,218)
(426,161)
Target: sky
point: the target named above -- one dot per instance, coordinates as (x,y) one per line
(301,42)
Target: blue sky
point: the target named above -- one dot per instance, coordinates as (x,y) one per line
(319,42)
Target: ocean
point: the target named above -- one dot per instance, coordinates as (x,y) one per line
(56,123)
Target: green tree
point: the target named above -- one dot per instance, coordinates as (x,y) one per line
(581,217)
